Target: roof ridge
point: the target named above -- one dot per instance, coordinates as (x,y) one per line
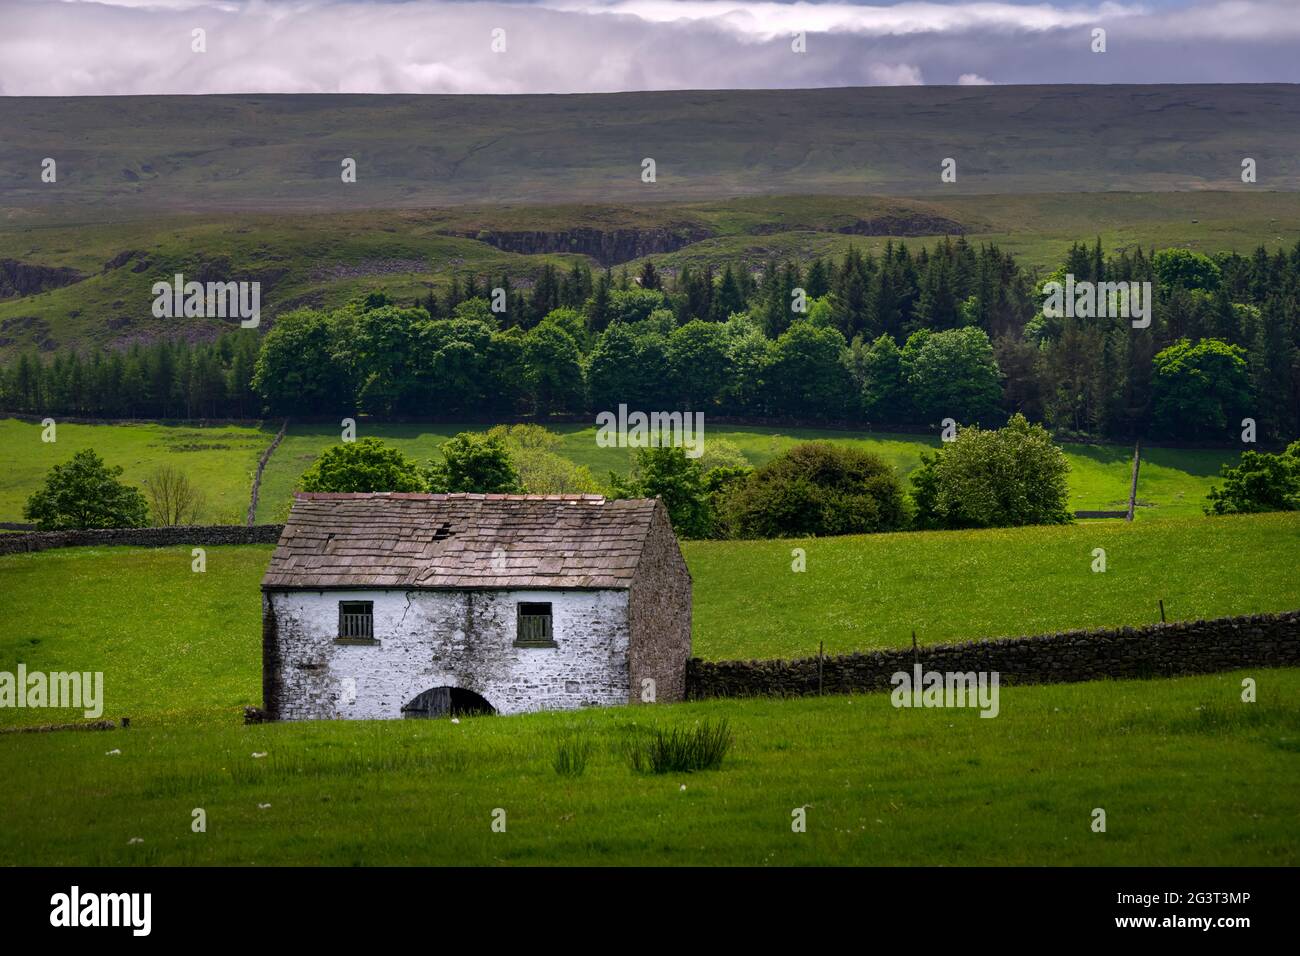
(443,496)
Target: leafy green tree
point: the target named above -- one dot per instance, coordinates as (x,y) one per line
(1184,269)
(571,322)
(721,453)
(1200,389)
(83,492)
(477,309)
(629,366)
(809,374)
(752,355)
(634,305)
(457,376)
(817,488)
(952,374)
(997,478)
(474,462)
(884,387)
(542,469)
(1258,482)
(391,365)
(667,473)
(699,363)
(719,483)
(297,370)
(551,370)
(363,466)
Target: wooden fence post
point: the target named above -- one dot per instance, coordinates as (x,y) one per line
(1133,487)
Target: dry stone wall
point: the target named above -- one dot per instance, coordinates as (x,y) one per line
(141,537)
(1159,650)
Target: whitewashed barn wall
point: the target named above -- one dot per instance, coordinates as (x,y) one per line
(459,639)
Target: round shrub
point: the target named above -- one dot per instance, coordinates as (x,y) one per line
(814,489)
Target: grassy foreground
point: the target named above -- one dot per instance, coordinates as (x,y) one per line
(1186,773)
(175,645)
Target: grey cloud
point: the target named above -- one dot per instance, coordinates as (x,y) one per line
(566,46)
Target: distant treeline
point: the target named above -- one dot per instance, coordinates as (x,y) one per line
(896,340)
(167,379)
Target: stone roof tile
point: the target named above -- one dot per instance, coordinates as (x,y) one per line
(454,541)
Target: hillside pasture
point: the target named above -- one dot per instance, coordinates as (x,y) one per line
(222,460)
(219,459)
(1174,481)
(176,645)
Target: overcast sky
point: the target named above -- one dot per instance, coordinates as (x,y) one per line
(77,47)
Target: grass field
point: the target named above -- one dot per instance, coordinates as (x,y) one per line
(1174,482)
(1186,772)
(176,645)
(872,591)
(220,460)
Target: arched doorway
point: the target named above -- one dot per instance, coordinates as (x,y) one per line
(447,702)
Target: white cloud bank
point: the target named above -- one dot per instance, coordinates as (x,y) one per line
(567,46)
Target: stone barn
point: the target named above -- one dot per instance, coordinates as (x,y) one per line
(417,605)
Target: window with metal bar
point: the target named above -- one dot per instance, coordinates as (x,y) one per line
(357,620)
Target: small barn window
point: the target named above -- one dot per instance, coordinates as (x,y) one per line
(356,620)
(534,629)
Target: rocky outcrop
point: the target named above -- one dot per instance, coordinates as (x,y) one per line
(607,246)
(19,278)
(911,224)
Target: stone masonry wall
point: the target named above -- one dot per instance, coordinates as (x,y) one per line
(1159,650)
(427,639)
(142,537)
(660,614)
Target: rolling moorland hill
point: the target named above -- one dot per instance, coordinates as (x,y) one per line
(255,152)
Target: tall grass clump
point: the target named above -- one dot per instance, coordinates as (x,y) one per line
(681,750)
(571,753)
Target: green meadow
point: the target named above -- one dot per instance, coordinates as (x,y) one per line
(177,645)
(1174,481)
(1186,772)
(220,460)
(872,591)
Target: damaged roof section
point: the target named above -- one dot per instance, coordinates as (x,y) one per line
(459,541)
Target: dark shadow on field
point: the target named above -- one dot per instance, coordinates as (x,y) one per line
(1198,462)
(1101,454)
